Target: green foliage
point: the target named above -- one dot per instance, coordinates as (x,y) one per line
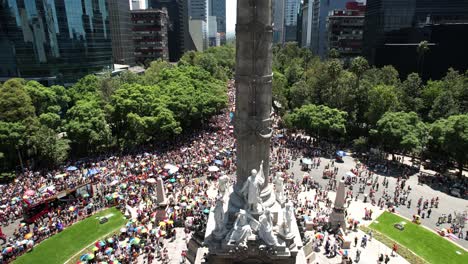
(15,103)
(400,131)
(87,127)
(450,136)
(319,121)
(218,61)
(382,98)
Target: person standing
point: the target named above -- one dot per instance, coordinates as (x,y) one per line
(387,259)
(429,212)
(394,249)
(358,256)
(355,241)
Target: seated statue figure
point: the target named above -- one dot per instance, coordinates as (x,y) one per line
(265,231)
(241,230)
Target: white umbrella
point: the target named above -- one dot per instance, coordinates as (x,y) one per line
(213,168)
(114,182)
(173,170)
(168,166)
(151,180)
(350,174)
(307,161)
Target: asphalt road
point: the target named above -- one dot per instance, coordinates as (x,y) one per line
(447,204)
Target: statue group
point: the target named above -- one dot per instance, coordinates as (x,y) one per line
(254,218)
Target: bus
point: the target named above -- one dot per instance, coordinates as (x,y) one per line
(32,212)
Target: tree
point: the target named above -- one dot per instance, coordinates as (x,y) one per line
(443,106)
(319,121)
(400,131)
(410,93)
(87,128)
(422,49)
(382,98)
(15,103)
(51,150)
(451,136)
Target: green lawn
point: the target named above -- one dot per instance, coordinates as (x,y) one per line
(62,246)
(426,244)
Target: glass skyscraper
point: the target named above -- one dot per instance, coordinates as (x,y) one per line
(54,40)
(394,28)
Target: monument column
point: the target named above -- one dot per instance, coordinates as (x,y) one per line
(253,77)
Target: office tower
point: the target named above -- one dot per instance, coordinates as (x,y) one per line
(54,41)
(217,8)
(319,37)
(121,32)
(291,12)
(345,30)
(150,35)
(278,21)
(394,28)
(198,23)
(138,4)
(179,39)
(306,19)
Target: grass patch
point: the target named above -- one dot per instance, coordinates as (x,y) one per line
(62,246)
(429,246)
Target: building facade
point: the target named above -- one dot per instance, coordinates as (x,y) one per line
(319,36)
(138,4)
(394,28)
(291,12)
(306,20)
(54,41)
(198,23)
(345,30)
(179,39)
(121,32)
(217,8)
(278,21)
(150,35)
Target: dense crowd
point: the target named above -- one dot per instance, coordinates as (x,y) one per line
(189,168)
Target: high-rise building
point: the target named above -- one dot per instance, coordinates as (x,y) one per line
(291,12)
(306,19)
(278,21)
(179,39)
(319,37)
(138,4)
(345,30)
(121,32)
(213,35)
(198,23)
(394,28)
(217,8)
(150,35)
(54,41)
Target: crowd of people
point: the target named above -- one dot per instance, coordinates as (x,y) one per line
(189,167)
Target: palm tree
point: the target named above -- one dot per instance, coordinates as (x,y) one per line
(422,49)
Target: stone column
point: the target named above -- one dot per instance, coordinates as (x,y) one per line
(253,87)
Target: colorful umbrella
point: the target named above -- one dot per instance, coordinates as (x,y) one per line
(162,223)
(108,250)
(72,208)
(28,235)
(22,224)
(110,240)
(206,211)
(95,249)
(30,192)
(100,243)
(135,241)
(7,250)
(172,180)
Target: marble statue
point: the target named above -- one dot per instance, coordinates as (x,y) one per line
(279,187)
(252,188)
(265,231)
(223,184)
(218,211)
(241,230)
(288,217)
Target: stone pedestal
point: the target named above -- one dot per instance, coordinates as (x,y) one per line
(160,192)
(337,217)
